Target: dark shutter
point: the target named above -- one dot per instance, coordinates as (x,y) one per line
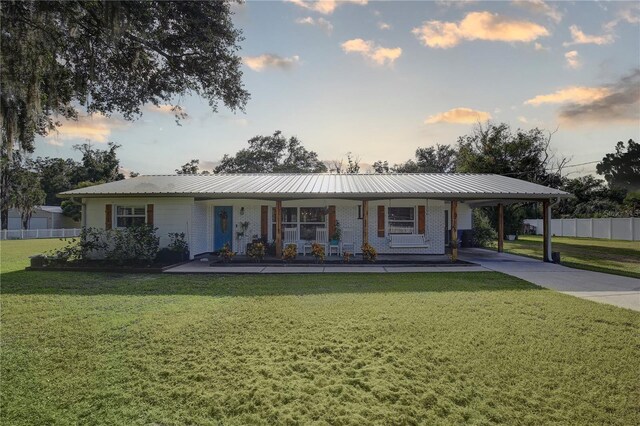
(332,220)
(108,216)
(150,214)
(264,222)
(421,218)
(380,221)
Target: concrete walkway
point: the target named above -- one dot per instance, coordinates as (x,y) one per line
(596,286)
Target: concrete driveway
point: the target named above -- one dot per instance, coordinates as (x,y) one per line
(596,286)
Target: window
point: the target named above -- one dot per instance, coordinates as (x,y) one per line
(305,219)
(402,220)
(128,216)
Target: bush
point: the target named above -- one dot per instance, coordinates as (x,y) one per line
(317,250)
(483,233)
(290,252)
(226,254)
(136,244)
(256,251)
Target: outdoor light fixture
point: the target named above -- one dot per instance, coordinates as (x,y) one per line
(241,211)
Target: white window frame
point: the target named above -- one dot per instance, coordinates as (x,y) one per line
(127,206)
(388,217)
(298,221)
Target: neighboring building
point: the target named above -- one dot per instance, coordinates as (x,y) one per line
(395,213)
(44,217)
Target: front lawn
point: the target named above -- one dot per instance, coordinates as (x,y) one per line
(448,348)
(610,256)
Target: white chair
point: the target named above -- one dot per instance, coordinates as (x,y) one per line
(347,241)
(322,237)
(290,236)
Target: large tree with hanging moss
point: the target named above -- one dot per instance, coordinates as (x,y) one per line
(60,57)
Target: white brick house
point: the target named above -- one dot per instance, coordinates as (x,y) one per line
(395,213)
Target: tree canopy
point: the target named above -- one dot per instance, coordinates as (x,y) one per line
(622,169)
(111,56)
(438,159)
(272,154)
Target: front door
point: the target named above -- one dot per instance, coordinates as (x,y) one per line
(222,227)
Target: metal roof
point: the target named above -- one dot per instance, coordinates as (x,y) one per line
(323,185)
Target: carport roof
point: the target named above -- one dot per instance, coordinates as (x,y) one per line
(458,186)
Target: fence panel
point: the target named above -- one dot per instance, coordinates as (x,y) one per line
(30,234)
(605,228)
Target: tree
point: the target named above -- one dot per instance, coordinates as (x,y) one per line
(438,159)
(98,165)
(111,56)
(272,154)
(381,167)
(622,169)
(26,193)
(56,175)
(352,167)
(591,198)
(191,168)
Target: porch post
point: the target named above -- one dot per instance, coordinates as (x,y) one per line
(546,231)
(500,228)
(365,221)
(454,230)
(278,237)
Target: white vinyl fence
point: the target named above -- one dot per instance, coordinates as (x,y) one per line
(28,234)
(627,228)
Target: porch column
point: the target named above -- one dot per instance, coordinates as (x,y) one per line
(278,237)
(546,231)
(500,228)
(454,230)
(365,221)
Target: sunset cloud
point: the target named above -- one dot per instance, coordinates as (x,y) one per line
(259,63)
(95,128)
(384,26)
(578,37)
(377,54)
(573,94)
(540,7)
(326,7)
(319,22)
(573,59)
(478,26)
(459,116)
(620,104)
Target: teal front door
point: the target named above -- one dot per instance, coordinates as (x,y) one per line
(222,227)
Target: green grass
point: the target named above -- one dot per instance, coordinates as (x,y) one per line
(610,256)
(450,348)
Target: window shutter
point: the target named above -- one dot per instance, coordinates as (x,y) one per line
(264,222)
(421,219)
(150,214)
(332,220)
(381,221)
(108,216)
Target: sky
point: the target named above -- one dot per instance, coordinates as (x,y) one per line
(380,79)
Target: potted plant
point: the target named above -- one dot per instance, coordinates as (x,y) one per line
(346,257)
(317,250)
(256,251)
(337,235)
(226,254)
(243,226)
(290,252)
(369,254)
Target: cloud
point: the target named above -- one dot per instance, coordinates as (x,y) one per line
(166,109)
(384,26)
(572,94)
(326,7)
(578,37)
(261,62)
(573,59)
(319,22)
(478,26)
(459,116)
(620,104)
(539,46)
(96,128)
(542,8)
(378,54)
(523,119)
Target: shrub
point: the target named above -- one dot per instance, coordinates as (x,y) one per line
(317,250)
(226,254)
(483,233)
(290,252)
(346,257)
(135,244)
(91,242)
(178,243)
(256,251)
(369,254)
